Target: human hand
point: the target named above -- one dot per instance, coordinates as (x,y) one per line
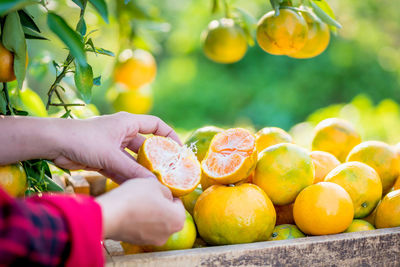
(141,211)
(98,143)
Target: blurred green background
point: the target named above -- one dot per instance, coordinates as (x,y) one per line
(357,77)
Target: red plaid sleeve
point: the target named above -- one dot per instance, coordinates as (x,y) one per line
(42,231)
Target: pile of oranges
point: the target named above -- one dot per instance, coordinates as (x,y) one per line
(242,187)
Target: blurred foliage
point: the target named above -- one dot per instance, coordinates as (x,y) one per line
(261,90)
(373,122)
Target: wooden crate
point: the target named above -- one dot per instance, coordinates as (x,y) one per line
(370,248)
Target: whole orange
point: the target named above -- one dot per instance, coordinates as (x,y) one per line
(282,171)
(322,209)
(135,68)
(283,34)
(6,65)
(269,136)
(335,136)
(234,214)
(380,156)
(13,179)
(361,182)
(224,41)
(358,225)
(388,211)
(323,162)
(318,37)
(285,231)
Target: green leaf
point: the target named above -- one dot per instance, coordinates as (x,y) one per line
(30,34)
(105,52)
(70,37)
(3,103)
(84,81)
(66,114)
(101,7)
(328,10)
(27,20)
(14,40)
(81,26)
(324,16)
(97,81)
(7,6)
(79,3)
(247,23)
(51,185)
(215,6)
(275,6)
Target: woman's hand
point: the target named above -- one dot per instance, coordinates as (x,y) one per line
(142,212)
(98,143)
(92,144)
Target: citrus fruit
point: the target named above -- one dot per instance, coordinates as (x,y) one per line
(131,248)
(322,209)
(110,185)
(201,139)
(283,34)
(282,171)
(284,214)
(397,184)
(190,199)
(361,182)
(234,214)
(388,211)
(269,136)
(184,239)
(135,68)
(231,157)
(285,231)
(6,65)
(13,179)
(206,182)
(175,166)
(371,217)
(136,102)
(28,100)
(358,225)
(318,37)
(335,136)
(224,41)
(323,162)
(381,157)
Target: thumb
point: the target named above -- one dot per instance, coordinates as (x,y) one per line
(123,165)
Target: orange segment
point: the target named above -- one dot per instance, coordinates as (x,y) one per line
(231,156)
(175,166)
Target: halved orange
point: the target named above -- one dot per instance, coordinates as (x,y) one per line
(231,157)
(175,166)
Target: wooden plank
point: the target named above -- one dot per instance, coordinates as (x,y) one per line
(370,248)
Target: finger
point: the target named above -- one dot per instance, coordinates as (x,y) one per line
(166,192)
(153,125)
(136,143)
(66,163)
(113,176)
(123,165)
(178,215)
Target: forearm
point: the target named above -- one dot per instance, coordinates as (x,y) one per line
(24,138)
